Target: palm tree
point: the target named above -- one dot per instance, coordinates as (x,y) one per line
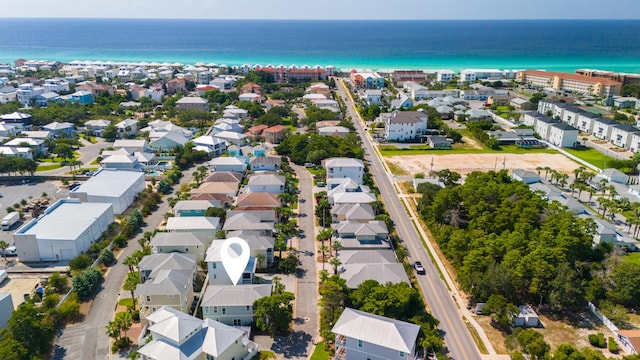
(130,261)
(336,246)
(124,321)
(4,245)
(260,258)
(113,330)
(335,262)
(130,283)
(323,249)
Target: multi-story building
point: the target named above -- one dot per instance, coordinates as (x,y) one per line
(344,168)
(445,75)
(56,85)
(360,335)
(233,305)
(366,79)
(570,82)
(28,91)
(624,78)
(404,125)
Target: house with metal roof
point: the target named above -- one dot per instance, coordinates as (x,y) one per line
(233,305)
(217,273)
(360,335)
(176,335)
(204,224)
(195,243)
(344,168)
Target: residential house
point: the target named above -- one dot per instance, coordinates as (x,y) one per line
(217,273)
(228,164)
(204,224)
(251,88)
(352,212)
(366,79)
(225,176)
(372,96)
(268,182)
(602,128)
(160,126)
(445,75)
(438,142)
(131,145)
(401,101)
(355,235)
(265,163)
(194,207)
(63,130)
(360,335)
(127,127)
(256,130)
(563,135)
(526,177)
(233,305)
(193,243)
(46,99)
(176,85)
(259,245)
(477,115)
(82,98)
(249,223)
(257,201)
(193,103)
(177,335)
(96,127)
(613,176)
(345,168)
(275,134)
(150,265)
(359,266)
(121,162)
(634,145)
(231,137)
(404,125)
(166,141)
(225,200)
(23,152)
(8,130)
(225,188)
(339,131)
(622,135)
(37,146)
(21,120)
(251,97)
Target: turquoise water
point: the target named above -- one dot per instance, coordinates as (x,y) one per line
(541,44)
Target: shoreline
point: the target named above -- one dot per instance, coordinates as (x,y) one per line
(339,67)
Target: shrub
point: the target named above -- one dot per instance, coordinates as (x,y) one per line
(597,340)
(120,241)
(106,257)
(80,262)
(613,345)
(85,283)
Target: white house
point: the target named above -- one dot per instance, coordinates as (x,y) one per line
(217,273)
(270,183)
(345,168)
(169,287)
(176,335)
(166,141)
(195,243)
(417,91)
(622,134)
(118,188)
(210,144)
(372,96)
(228,164)
(24,152)
(193,224)
(231,137)
(602,128)
(404,125)
(127,127)
(634,145)
(265,163)
(563,135)
(360,335)
(65,230)
(96,127)
(131,145)
(445,75)
(233,305)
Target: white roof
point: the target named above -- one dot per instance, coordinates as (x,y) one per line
(343,162)
(356,274)
(379,330)
(193,223)
(111,183)
(226,161)
(177,326)
(129,143)
(230,295)
(67,219)
(229,135)
(192,100)
(28,141)
(208,140)
(178,239)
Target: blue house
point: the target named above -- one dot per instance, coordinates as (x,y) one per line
(82,97)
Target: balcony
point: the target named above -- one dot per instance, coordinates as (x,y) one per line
(341,340)
(341,354)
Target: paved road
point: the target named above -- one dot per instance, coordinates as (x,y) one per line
(300,344)
(88,340)
(88,152)
(439,298)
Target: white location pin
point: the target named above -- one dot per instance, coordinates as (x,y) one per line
(235,254)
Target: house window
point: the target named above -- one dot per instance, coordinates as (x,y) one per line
(215,309)
(224,311)
(148,298)
(237,322)
(214,266)
(401,354)
(248,308)
(359,343)
(186,250)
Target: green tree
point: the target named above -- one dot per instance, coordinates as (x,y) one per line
(289,264)
(274,313)
(86,282)
(80,262)
(501,310)
(106,257)
(3,246)
(110,133)
(216,212)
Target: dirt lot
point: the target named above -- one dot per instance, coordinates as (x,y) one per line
(18,285)
(466,163)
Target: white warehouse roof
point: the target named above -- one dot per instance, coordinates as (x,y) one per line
(110,183)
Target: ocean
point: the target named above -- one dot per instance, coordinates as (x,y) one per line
(555,45)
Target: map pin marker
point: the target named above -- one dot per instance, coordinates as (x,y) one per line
(235,254)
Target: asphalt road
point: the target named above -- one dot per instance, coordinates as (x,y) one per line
(299,345)
(88,339)
(439,298)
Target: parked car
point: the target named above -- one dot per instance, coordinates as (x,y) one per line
(419,268)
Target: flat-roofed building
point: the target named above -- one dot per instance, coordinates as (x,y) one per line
(65,230)
(118,188)
(570,82)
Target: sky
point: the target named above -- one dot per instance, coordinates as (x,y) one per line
(326,9)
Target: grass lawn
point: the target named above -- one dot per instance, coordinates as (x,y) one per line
(45,167)
(504,150)
(592,156)
(396,169)
(265,355)
(633,258)
(126,302)
(320,353)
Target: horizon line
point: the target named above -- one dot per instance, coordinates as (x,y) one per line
(307,19)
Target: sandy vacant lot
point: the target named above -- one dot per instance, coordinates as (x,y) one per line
(466,163)
(18,285)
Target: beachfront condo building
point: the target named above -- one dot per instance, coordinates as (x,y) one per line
(366,79)
(570,82)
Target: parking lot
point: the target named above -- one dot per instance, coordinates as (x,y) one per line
(14,194)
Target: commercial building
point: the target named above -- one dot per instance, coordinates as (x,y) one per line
(118,188)
(66,229)
(570,82)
